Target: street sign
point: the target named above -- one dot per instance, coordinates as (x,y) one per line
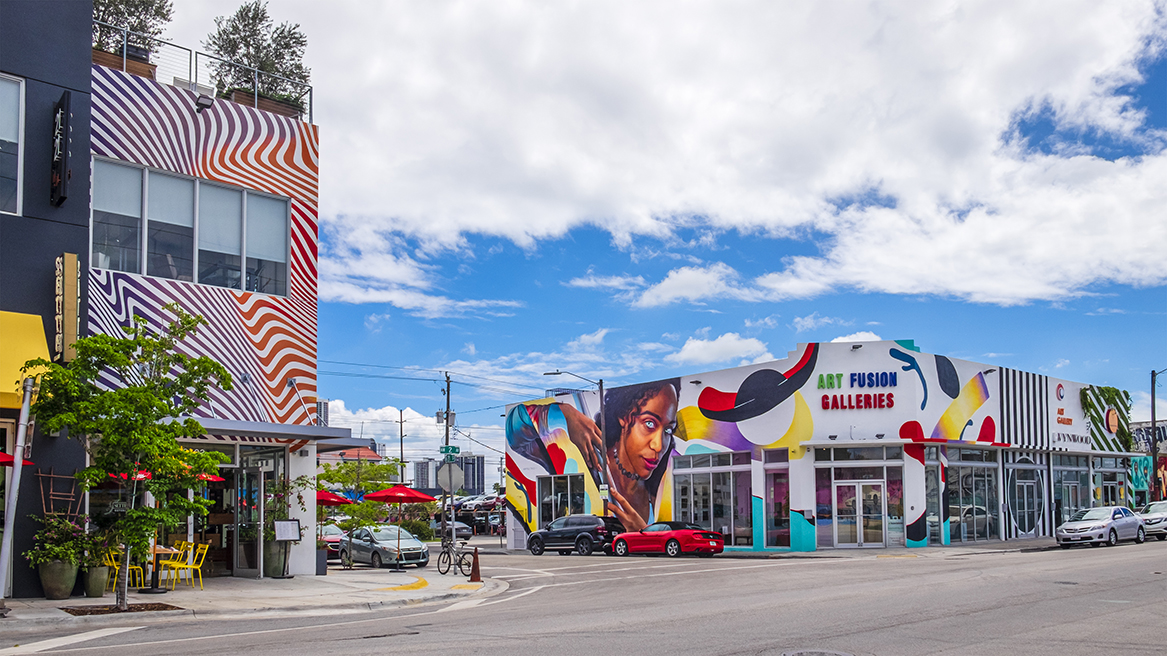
(451,457)
(450,477)
(449,448)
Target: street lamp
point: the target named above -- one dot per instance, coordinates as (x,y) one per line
(603,434)
(1155,491)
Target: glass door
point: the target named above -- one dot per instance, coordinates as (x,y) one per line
(248,548)
(1027,510)
(860,515)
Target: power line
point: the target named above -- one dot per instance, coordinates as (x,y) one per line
(456,373)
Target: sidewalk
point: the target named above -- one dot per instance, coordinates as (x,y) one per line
(341,591)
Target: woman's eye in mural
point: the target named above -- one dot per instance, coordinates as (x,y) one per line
(649,423)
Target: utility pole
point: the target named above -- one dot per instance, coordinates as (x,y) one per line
(446,497)
(401,425)
(1156,493)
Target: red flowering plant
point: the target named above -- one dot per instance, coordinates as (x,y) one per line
(60,539)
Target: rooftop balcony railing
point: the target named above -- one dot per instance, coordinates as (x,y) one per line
(204,74)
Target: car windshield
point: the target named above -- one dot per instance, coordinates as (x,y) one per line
(331,529)
(1158,507)
(1090,513)
(382,533)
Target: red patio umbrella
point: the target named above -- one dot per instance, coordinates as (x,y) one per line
(399,494)
(210,477)
(7,461)
(326,498)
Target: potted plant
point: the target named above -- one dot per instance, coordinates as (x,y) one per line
(56,553)
(97,547)
(279,497)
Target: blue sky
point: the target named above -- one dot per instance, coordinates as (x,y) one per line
(632,192)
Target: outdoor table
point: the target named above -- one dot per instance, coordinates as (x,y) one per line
(155,588)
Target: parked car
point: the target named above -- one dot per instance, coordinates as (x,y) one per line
(385,545)
(1154,516)
(475,503)
(461,530)
(581,533)
(332,535)
(461,504)
(1102,525)
(671,538)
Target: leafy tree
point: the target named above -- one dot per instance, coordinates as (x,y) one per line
(147,17)
(360,477)
(128,399)
(251,38)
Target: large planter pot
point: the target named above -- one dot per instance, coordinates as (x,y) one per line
(321,562)
(95,580)
(57,579)
(273,559)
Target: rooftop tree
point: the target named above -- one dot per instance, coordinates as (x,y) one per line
(129,399)
(250,37)
(146,17)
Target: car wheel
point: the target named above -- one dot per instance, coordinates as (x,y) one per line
(584,546)
(535,546)
(344,559)
(673,548)
(1112,539)
(423,564)
(1141,536)
(375,561)
(620,548)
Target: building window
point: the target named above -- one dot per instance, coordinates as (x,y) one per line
(11,129)
(191,226)
(117,217)
(718,496)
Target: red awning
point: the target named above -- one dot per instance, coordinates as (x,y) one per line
(399,494)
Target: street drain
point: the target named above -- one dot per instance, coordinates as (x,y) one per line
(815,652)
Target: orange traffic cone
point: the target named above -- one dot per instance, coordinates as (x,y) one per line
(475,575)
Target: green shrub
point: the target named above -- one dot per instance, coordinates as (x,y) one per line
(420,529)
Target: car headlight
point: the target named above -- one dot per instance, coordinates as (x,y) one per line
(1097,527)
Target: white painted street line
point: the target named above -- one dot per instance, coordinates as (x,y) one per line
(35,647)
(468,603)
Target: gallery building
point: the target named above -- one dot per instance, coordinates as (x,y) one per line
(129,181)
(840,445)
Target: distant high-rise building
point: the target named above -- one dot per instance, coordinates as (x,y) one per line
(473,472)
(322,413)
(425,474)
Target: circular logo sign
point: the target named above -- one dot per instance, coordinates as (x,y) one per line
(1111,421)
(1061,392)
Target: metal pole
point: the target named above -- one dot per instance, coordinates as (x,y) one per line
(604,449)
(446,497)
(1155,491)
(13,493)
(401,425)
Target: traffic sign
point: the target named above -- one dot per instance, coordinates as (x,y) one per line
(451,457)
(449,448)
(450,477)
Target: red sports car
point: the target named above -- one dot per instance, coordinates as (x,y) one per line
(671,538)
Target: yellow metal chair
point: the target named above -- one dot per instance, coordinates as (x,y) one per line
(114,563)
(181,558)
(193,567)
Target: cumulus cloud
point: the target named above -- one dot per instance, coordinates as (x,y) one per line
(729,346)
(861,336)
(620,283)
(895,134)
(813,320)
(765,322)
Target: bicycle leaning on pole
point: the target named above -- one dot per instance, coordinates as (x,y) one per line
(454,555)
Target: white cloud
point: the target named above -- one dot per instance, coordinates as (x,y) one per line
(621,283)
(469,349)
(590,340)
(766,322)
(373,322)
(1061,363)
(813,320)
(997,355)
(729,346)
(891,131)
(861,336)
(1141,406)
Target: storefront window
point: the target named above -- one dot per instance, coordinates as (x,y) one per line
(824,510)
(895,506)
(875,453)
(778,509)
(723,503)
(972,506)
(718,498)
(743,515)
(170,227)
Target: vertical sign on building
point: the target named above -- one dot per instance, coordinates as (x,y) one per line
(59,174)
(67,303)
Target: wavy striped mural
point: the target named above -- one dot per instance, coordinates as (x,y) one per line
(263,340)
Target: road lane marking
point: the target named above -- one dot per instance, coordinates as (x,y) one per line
(461,605)
(35,647)
(466,586)
(416,585)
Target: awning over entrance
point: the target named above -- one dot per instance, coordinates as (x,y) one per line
(22,338)
(272,430)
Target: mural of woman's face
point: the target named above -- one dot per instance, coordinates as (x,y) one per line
(644,434)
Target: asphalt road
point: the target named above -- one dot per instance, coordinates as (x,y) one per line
(1080,601)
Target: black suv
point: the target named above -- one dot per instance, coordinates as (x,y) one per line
(582,533)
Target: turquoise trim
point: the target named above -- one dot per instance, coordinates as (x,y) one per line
(758,510)
(802,533)
(909,344)
(697,447)
(945,534)
(912,544)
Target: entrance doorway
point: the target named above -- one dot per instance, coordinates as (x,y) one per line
(248,548)
(860,514)
(1027,510)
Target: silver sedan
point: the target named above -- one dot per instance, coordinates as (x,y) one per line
(1154,516)
(1103,525)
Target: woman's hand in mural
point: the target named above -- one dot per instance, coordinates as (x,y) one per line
(585,435)
(620,507)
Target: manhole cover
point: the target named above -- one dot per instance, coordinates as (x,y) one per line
(815,652)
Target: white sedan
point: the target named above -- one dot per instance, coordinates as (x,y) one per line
(1154,516)
(1103,525)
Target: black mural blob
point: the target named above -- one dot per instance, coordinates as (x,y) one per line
(918,530)
(764,389)
(946,375)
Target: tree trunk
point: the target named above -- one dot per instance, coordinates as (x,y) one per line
(122,585)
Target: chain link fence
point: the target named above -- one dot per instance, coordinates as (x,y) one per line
(204,74)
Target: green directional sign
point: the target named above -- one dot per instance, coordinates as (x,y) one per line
(449,449)
(450,457)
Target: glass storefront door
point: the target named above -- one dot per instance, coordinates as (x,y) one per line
(248,547)
(860,515)
(1027,512)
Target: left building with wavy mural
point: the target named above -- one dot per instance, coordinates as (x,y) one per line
(179,195)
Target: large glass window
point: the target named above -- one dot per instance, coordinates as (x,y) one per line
(973,512)
(220,236)
(170,227)
(117,216)
(717,498)
(560,496)
(778,508)
(10,128)
(267,244)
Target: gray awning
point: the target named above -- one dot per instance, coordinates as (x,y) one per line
(344,444)
(273,430)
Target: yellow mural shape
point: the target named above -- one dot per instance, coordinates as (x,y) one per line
(972,396)
(801,430)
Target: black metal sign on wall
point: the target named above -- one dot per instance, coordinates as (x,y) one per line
(62,115)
